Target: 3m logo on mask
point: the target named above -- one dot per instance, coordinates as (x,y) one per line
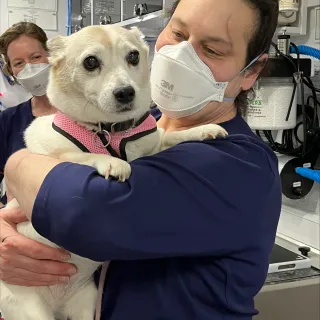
(166,85)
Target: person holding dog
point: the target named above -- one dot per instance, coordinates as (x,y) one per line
(23,48)
(190,233)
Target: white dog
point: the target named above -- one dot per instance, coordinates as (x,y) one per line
(99,81)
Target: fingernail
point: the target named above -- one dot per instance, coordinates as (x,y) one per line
(64,279)
(66,256)
(72,271)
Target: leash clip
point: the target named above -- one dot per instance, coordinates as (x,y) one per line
(105,133)
(112,128)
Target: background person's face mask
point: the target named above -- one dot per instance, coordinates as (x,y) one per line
(182,84)
(34,78)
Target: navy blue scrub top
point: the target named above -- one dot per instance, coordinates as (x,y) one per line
(189,235)
(13,123)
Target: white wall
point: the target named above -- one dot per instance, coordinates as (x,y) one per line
(62,18)
(3,16)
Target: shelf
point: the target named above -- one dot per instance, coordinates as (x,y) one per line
(140,20)
(292,31)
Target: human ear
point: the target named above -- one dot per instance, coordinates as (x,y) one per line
(251,75)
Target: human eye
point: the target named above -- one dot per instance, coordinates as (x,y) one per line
(212,52)
(177,34)
(18,64)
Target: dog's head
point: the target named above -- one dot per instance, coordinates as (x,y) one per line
(100,74)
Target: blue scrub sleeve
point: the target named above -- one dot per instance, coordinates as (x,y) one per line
(164,210)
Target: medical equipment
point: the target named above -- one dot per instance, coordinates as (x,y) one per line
(285,114)
(288,12)
(294,186)
(276,105)
(309,173)
(288,5)
(284,43)
(282,259)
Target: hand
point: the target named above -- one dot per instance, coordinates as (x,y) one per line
(26,262)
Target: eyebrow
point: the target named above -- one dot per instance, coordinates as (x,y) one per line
(19,59)
(178,20)
(207,39)
(218,40)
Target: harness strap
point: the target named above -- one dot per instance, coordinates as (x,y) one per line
(104,142)
(102,279)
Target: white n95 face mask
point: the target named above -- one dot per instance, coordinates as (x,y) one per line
(181,83)
(34,78)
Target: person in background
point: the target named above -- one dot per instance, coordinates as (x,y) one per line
(190,233)
(24,50)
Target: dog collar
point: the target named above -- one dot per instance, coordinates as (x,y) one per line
(120,126)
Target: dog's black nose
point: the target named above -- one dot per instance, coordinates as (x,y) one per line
(124,94)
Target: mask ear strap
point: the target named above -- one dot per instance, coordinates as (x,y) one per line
(251,63)
(228,99)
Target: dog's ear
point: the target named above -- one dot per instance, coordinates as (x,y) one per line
(140,36)
(136,31)
(57,47)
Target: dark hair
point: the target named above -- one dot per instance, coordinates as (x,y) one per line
(14,32)
(266,24)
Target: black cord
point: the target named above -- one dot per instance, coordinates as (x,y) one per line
(310,86)
(288,146)
(315,105)
(258,134)
(304,120)
(291,101)
(310,119)
(289,58)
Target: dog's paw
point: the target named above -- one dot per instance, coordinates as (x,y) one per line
(208,131)
(113,167)
(212,131)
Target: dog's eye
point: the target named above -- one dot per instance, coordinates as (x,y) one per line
(133,58)
(91,63)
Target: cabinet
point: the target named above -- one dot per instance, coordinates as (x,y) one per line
(80,15)
(120,12)
(106,11)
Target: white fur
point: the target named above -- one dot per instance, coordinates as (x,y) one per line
(87,98)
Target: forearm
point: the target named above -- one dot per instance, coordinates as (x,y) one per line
(24,174)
